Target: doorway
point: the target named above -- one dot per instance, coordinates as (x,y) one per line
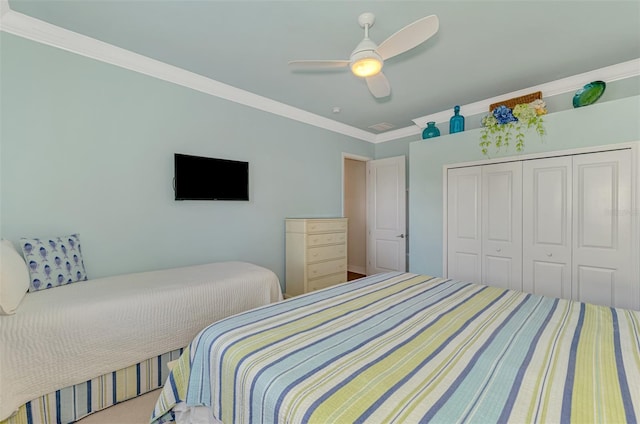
(374,201)
(355,209)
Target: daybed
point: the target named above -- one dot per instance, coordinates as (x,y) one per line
(78,348)
(409,348)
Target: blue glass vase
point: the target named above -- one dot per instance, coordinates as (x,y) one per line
(456,123)
(430,131)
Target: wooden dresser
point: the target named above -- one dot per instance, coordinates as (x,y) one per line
(316,254)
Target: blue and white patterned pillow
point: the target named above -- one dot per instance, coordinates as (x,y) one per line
(53,261)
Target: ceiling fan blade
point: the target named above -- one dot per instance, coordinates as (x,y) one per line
(314,65)
(409,37)
(379,85)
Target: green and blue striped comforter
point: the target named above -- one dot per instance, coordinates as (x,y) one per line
(404,348)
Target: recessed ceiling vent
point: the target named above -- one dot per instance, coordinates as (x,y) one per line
(384,126)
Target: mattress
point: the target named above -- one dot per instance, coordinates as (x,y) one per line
(402,347)
(70,334)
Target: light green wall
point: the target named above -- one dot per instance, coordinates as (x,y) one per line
(615,90)
(393,148)
(604,123)
(88,147)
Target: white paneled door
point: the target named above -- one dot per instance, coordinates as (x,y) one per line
(386,215)
(464,232)
(602,262)
(546,229)
(559,226)
(502,225)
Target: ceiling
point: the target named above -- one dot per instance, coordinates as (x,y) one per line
(483,48)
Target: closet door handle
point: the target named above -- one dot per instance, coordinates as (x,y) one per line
(401,236)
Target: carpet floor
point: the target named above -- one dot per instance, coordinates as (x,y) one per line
(134,411)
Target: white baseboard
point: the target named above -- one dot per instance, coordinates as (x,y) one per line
(357,269)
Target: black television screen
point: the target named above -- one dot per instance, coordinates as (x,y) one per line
(202,178)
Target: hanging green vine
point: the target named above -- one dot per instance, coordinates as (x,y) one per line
(504,126)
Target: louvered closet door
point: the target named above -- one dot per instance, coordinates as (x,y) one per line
(546,226)
(464,242)
(502,225)
(602,229)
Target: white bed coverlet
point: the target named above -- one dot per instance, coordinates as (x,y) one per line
(70,334)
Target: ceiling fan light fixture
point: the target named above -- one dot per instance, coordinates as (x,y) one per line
(366,64)
(367,59)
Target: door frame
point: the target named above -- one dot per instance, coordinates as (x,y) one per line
(372,232)
(634,146)
(367,159)
(358,158)
(352,157)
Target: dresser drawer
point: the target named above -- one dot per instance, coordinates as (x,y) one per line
(328,281)
(330,238)
(315,254)
(317,226)
(326,268)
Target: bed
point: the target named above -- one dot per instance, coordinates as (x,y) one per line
(402,347)
(75,349)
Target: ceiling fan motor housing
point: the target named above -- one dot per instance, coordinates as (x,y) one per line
(364,60)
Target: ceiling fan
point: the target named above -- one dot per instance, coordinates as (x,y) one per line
(368,58)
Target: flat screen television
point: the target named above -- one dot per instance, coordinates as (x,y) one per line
(202,178)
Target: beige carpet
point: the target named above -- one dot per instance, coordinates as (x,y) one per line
(134,411)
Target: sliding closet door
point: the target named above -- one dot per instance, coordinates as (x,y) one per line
(502,225)
(602,270)
(546,226)
(464,242)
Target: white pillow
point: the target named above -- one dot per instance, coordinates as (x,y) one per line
(14,278)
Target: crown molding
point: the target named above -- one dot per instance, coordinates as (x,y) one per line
(398,134)
(607,74)
(36,30)
(4,7)
(42,32)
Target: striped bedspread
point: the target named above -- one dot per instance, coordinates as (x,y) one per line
(404,348)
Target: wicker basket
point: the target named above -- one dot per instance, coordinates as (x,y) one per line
(511,103)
